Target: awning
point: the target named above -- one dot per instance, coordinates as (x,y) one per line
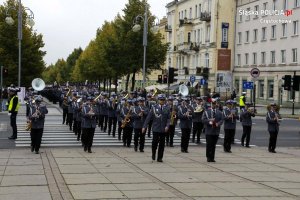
(153,87)
(172,87)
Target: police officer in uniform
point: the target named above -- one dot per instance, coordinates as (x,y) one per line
(70,112)
(88,124)
(273,119)
(13,107)
(197,119)
(185,114)
(103,112)
(140,113)
(212,119)
(150,103)
(77,117)
(127,125)
(173,120)
(160,114)
(112,115)
(246,116)
(37,118)
(242,101)
(119,118)
(230,116)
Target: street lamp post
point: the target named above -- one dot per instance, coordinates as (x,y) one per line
(9,20)
(137,28)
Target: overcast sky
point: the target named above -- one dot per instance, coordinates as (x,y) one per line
(69,24)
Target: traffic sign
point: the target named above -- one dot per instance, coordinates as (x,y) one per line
(202,81)
(255,72)
(248,85)
(192,79)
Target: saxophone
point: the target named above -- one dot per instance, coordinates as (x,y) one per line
(173,115)
(91,112)
(126,120)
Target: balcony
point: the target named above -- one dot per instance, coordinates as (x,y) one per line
(185,21)
(186,46)
(168,28)
(194,47)
(205,16)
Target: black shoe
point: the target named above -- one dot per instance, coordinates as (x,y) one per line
(167,144)
(198,142)
(135,149)
(90,151)
(273,151)
(242,144)
(159,160)
(141,150)
(171,145)
(12,138)
(182,150)
(186,151)
(37,152)
(153,157)
(247,146)
(124,144)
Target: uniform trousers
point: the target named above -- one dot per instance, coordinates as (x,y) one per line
(36,138)
(119,130)
(74,126)
(229,134)
(70,120)
(78,130)
(127,136)
(211,142)
(13,124)
(149,128)
(103,122)
(87,137)
(197,130)
(170,135)
(112,122)
(139,138)
(65,116)
(272,140)
(158,140)
(185,138)
(246,134)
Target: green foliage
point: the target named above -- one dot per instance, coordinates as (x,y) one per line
(32,64)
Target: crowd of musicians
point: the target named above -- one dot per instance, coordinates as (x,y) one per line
(130,116)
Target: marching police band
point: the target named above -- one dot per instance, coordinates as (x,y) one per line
(136,116)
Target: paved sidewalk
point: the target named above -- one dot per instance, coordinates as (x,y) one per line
(121,173)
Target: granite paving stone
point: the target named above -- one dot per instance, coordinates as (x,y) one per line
(26,169)
(73,169)
(85,179)
(23,180)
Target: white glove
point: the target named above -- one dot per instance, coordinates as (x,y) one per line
(9,114)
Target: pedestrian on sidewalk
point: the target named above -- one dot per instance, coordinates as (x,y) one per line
(37,119)
(273,118)
(212,119)
(13,107)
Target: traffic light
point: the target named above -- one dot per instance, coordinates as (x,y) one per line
(296,83)
(159,79)
(172,74)
(287,82)
(5,72)
(165,80)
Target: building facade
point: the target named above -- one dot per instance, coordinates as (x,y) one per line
(201,37)
(267,38)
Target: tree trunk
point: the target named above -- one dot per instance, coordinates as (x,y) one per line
(109,90)
(104,85)
(127,82)
(116,84)
(133,81)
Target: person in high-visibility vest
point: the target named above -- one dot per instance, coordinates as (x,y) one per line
(242,101)
(13,107)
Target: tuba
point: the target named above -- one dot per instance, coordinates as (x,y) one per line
(183,90)
(38,84)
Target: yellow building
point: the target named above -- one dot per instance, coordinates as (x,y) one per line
(201,35)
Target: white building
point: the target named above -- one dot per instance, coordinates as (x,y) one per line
(269,41)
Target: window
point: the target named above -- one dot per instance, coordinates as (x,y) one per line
(283,56)
(263,58)
(274,4)
(256,9)
(179,15)
(239,37)
(297,3)
(207,34)
(263,33)
(184,13)
(254,58)
(246,58)
(248,16)
(270,89)
(200,9)
(239,60)
(255,31)
(241,18)
(195,36)
(284,29)
(273,32)
(198,36)
(247,36)
(261,89)
(207,60)
(294,54)
(191,13)
(273,57)
(196,11)
(295,27)
(285,4)
(265,6)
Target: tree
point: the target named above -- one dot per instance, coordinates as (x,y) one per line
(32,42)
